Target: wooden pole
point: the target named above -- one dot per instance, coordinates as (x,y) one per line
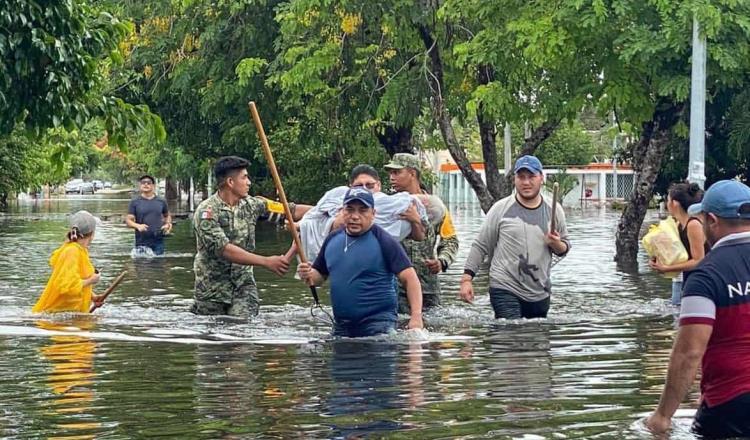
(553,216)
(279,188)
(109,290)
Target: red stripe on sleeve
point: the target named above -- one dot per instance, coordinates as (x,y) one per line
(696,320)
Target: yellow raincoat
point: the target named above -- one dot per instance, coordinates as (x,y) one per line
(65,291)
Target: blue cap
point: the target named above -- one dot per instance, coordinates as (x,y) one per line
(530,163)
(361,194)
(725,199)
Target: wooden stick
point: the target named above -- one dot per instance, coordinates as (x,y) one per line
(109,290)
(553,220)
(280,188)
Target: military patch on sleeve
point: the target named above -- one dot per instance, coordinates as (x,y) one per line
(207,214)
(275,207)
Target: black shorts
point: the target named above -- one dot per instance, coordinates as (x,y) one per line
(730,419)
(509,306)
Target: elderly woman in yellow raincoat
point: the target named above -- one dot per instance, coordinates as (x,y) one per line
(69,288)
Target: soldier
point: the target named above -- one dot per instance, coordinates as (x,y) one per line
(404,171)
(225,238)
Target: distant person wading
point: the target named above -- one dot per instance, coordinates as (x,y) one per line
(149,216)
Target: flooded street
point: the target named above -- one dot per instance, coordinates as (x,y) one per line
(143,366)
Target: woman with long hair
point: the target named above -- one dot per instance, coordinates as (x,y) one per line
(679,198)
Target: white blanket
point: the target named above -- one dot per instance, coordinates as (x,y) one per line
(316,224)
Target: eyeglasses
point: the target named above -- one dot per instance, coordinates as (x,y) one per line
(368,185)
(146,182)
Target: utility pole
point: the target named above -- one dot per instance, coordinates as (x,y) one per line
(191,195)
(697,168)
(506,156)
(614,157)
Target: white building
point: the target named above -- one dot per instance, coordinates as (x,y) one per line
(597,183)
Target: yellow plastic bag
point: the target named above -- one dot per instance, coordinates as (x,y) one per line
(663,242)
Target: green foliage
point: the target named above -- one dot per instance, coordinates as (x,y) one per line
(333,79)
(51,58)
(55,91)
(54,56)
(569,145)
(28,164)
(566,182)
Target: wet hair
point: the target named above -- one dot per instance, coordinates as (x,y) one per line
(363,168)
(228,166)
(74,234)
(685,194)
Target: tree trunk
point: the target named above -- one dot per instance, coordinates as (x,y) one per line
(442,116)
(539,135)
(648,155)
(529,147)
(397,140)
(170,189)
(496,183)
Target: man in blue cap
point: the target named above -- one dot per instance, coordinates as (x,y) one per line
(715,322)
(361,259)
(516,238)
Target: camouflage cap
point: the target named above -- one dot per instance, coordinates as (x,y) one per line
(404,160)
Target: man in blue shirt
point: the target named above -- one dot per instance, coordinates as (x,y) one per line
(361,259)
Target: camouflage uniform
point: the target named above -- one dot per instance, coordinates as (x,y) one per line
(222,287)
(419,251)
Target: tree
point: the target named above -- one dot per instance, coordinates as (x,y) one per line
(53,57)
(568,145)
(629,57)
(655,57)
(565,181)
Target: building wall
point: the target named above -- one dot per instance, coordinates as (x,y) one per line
(594,186)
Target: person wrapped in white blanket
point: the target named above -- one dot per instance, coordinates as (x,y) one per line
(402,215)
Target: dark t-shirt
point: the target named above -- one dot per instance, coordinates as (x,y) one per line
(361,271)
(718,294)
(150,212)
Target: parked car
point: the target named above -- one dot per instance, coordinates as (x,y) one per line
(78,186)
(98,184)
(86,188)
(73,186)
(108,184)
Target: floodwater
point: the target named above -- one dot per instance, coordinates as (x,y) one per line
(143,366)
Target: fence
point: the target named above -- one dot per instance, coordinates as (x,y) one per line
(596,183)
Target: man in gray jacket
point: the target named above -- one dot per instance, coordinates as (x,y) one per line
(517,240)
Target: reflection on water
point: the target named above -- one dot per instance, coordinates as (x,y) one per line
(143,366)
(71,381)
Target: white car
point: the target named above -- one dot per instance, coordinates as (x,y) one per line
(73,186)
